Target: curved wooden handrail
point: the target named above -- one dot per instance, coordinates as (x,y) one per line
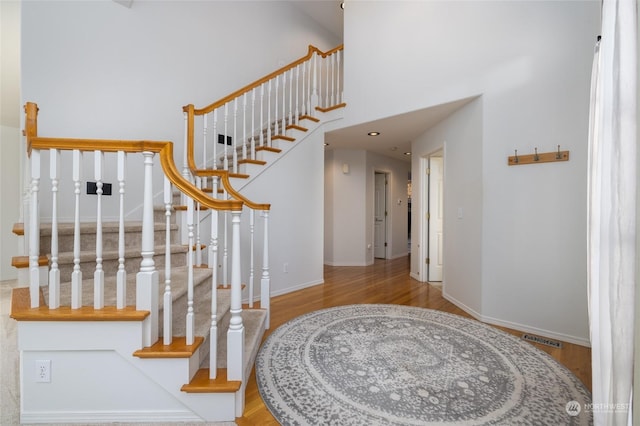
(257,83)
(224,178)
(163,148)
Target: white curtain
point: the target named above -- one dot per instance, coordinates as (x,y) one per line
(611,231)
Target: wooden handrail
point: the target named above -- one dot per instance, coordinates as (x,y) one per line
(257,83)
(164,148)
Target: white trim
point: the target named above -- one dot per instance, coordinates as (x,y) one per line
(92,417)
(517,326)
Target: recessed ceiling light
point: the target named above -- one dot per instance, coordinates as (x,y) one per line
(342,5)
(326,144)
(407,153)
(373,133)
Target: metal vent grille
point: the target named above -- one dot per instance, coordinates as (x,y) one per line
(542,340)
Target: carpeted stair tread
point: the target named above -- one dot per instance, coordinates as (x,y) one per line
(88,255)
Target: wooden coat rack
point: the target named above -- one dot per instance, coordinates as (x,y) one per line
(545,157)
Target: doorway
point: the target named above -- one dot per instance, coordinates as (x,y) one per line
(380,216)
(435,213)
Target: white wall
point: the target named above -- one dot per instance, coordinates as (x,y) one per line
(10,140)
(349,206)
(460,135)
(101,70)
(531,61)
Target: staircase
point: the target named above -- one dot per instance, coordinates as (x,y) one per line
(142,320)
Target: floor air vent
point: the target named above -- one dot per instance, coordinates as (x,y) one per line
(542,340)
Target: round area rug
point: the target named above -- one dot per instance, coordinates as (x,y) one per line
(403,365)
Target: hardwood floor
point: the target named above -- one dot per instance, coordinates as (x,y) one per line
(386,281)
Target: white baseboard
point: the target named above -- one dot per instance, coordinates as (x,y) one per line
(92,417)
(517,326)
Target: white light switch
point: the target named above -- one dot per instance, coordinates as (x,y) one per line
(459,212)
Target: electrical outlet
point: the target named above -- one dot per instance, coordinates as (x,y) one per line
(285,268)
(43,370)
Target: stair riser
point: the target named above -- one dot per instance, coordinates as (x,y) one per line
(110,239)
(110,264)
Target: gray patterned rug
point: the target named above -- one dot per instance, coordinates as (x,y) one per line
(402,365)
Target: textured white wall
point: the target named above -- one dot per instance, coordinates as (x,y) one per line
(531,62)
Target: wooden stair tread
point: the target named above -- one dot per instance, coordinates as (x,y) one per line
(201,383)
(308,117)
(248,161)
(21,311)
(23,261)
(296,127)
(177,349)
(283,138)
(269,148)
(184,208)
(18,228)
(331,108)
(238,175)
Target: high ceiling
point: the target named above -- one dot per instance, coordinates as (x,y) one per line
(397,132)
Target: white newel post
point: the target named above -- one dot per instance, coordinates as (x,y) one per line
(147,278)
(213,264)
(265,282)
(251,254)
(190,318)
(235,336)
(54,273)
(34,237)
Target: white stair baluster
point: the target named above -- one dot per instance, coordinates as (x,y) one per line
(275,124)
(283,122)
(225,250)
(290,121)
(34,237)
(235,334)
(253,122)
(76,275)
(333,77)
(215,141)
(190,318)
(204,148)
(314,81)
(186,173)
(147,278)
(297,111)
(167,313)
(54,272)
(244,126)
(305,95)
(234,145)
(224,141)
(251,254)
(197,208)
(269,143)
(261,114)
(265,282)
(121,276)
(326,87)
(338,88)
(98,275)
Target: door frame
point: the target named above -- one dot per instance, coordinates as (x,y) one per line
(423,251)
(387,219)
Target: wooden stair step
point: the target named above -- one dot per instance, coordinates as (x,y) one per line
(283,138)
(269,148)
(21,311)
(296,127)
(308,117)
(177,349)
(201,383)
(23,261)
(18,228)
(249,161)
(331,108)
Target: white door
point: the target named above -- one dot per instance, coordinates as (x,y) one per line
(380,216)
(435,214)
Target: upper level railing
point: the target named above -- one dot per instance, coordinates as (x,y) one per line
(233,129)
(124,151)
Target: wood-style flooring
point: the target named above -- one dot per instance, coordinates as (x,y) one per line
(386,281)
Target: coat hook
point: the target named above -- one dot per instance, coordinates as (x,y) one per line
(536,157)
(515,160)
(558,156)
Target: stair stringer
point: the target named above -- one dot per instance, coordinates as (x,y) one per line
(285,146)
